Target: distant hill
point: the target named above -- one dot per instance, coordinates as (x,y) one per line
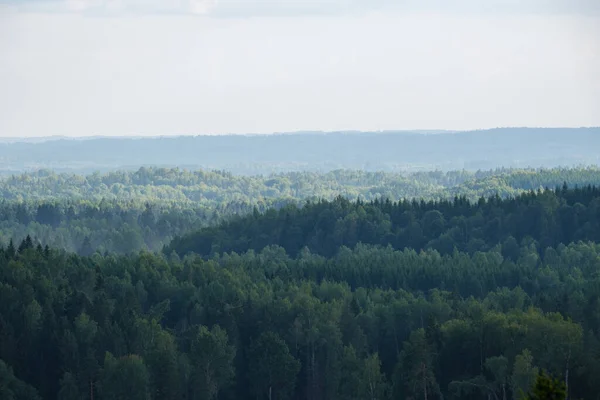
(262,154)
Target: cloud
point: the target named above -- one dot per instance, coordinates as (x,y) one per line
(246,8)
(200,7)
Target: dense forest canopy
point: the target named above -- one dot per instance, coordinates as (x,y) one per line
(369,322)
(143,210)
(174,185)
(319,152)
(548,217)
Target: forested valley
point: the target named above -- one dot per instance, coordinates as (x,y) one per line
(172,284)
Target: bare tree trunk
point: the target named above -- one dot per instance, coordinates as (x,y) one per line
(423,371)
(396,342)
(567,377)
(308,371)
(481,352)
(313,372)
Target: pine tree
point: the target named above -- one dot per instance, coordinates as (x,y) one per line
(10,250)
(26,244)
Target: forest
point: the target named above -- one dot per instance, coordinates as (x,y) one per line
(462,296)
(129,211)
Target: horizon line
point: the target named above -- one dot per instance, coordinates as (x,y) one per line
(280,133)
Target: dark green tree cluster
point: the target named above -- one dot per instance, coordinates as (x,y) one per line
(546,388)
(538,218)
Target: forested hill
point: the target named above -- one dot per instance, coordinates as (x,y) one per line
(546,217)
(388,151)
(368,323)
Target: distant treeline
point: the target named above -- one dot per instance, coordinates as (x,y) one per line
(144,209)
(174,185)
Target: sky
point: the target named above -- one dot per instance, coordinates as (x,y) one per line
(172,67)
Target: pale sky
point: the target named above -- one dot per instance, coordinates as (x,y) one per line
(165,67)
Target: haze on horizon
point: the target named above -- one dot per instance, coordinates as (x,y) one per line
(167,67)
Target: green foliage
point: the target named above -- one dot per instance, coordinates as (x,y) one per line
(212,362)
(539,219)
(547,388)
(372,323)
(373,385)
(124,378)
(69,389)
(12,388)
(523,376)
(415,372)
(272,369)
(126,212)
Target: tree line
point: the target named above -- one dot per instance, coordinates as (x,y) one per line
(145,209)
(206,187)
(544,218)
